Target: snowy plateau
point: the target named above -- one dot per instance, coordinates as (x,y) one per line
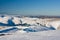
(29,28)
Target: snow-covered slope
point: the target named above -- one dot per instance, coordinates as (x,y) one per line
(46,35)
(26,28)
(14,21)
(4,20)
(55,24)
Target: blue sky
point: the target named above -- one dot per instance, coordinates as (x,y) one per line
(30,7)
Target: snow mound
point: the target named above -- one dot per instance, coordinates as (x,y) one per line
(27,24)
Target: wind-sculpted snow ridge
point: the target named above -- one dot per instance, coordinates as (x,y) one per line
(8,29)
(27,24)
(27,28)
(38,28)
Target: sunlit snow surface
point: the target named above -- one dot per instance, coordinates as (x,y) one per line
(45,35)
(26,28)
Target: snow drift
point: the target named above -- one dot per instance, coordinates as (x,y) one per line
(28,24)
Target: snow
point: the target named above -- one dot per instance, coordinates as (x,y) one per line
(16,20)
(34,29)
(45,35)
(6,28)
(4,20)
(28,20)
(31,21)
(55,24)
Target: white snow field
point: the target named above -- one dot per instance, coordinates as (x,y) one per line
(4,20)
(45,35)
(27,28)
(16,20)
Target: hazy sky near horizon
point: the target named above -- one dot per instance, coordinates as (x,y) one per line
(30,7)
